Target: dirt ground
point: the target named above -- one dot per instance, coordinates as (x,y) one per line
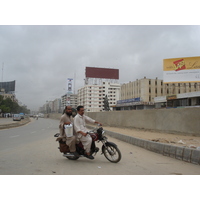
(172,139)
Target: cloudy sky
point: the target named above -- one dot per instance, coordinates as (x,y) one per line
(41,58)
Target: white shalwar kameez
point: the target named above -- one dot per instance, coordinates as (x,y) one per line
(80,125)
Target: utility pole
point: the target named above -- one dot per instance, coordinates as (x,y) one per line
(74,82)
(2,71)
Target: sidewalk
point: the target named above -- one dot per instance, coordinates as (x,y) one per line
(181,140)
(182,147)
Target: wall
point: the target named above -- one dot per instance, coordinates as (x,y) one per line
(178,120)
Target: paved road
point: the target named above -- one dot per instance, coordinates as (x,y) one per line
(32,149)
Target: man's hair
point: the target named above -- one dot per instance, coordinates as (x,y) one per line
(65,109)
(79,107)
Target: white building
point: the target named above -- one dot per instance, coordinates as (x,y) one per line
(69,99)
(56,106)
(92,96)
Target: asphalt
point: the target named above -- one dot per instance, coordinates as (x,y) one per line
(181,153)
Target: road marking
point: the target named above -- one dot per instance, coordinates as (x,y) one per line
(13,136)
(33,132)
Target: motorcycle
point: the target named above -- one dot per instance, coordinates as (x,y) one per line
(109,149)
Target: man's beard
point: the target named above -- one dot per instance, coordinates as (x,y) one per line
(69,114)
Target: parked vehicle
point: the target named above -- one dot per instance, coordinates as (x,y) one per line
(16,117)
(109,149)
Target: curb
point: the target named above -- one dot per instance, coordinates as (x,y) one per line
(177,152)
(12,125)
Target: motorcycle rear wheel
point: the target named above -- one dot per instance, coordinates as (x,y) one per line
(112,153)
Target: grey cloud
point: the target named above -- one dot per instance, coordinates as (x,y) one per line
(41,58)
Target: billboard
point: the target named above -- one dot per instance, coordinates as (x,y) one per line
(106,73)
(70,85)
(8,86)
(177,70)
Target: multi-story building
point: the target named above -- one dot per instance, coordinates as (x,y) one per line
(69,99)
(148,89)
(143,91)
(7,90)
(56,106)
(92,96)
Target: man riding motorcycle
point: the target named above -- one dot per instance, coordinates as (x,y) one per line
(80,121)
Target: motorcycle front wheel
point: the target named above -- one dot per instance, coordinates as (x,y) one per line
(111,152)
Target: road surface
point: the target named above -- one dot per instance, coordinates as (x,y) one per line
(32,150)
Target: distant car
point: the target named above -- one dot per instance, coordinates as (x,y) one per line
(16,117)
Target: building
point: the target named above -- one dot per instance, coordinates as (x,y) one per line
(99,83)
(69,99)
(92,96)
(8,95)
(7,90)
(140,94)
(56,106)
(178,100)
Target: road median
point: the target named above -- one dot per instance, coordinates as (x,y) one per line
(15,124)
(177,152)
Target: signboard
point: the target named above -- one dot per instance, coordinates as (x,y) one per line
(128,100)
(177,70)
(170,97)
(104,73)
(69,85)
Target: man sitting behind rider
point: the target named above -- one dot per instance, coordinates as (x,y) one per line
(80,121)
(67,119)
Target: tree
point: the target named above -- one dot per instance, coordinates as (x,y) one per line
(1,99)
(106,104)
(4,109)
(8,106)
